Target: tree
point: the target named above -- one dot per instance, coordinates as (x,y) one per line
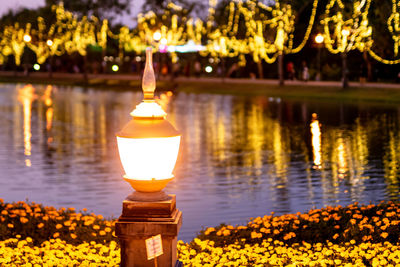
(102,9)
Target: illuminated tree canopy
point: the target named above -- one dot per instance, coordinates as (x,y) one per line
(251,27)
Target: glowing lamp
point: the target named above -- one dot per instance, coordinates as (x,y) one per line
(27,38)
(319,39)
(36,67)
(157,36)
(115,68)
(148,145)
(49,42)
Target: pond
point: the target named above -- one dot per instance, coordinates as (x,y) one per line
(240,157)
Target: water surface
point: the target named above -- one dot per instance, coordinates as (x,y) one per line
(240,157)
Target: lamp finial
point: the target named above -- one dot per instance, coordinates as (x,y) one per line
(149,80)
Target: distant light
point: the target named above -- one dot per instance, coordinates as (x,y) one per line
(111,58)
(186,48)
(164,41)
(105,58)
(209,69)
(138,58)
(319,39)
(163,48)
(115,68)
(157,36)
(27,38)
(49,42)
(211,60)
(36,67)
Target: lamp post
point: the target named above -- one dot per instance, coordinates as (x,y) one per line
(345,80)
(319,39)
(148,147)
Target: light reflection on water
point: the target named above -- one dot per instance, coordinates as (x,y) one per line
(240,157)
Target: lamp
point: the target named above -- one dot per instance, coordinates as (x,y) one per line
(319,38)
(148,145)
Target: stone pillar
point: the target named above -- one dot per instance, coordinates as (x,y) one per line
(141,220)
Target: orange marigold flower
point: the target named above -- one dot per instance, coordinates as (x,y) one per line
(384,235)
(352,221)
(104,233)
(67,223)
(73,236)
(40,225)
(108,229)
(96,227)
(335,236)
(23,220)
(4,212)
(225,232)
(58,226)
(10,225)
(55,235)
(254,235)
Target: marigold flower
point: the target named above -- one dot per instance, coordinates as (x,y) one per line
(102,232)
(384,235)
(40,225)
(23,220)
(4,212)
(10,225)
(59,226)
(55,235)
(73,236)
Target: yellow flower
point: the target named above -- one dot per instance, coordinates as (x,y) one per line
(96,227)
(102,232)
(108,229)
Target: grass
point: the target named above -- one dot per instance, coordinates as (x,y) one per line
(298,92)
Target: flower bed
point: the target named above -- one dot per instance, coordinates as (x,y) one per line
(354,235)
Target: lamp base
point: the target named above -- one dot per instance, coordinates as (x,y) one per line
(148,196)
(141,220)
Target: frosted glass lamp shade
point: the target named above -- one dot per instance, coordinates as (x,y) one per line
(148,158)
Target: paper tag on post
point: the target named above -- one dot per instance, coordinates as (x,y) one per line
(154,247)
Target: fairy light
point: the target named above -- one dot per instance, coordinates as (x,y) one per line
(341,34)
(269,32)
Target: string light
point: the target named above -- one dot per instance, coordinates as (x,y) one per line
(269,32)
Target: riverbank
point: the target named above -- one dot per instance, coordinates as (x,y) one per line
(336,236)
(312,90)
